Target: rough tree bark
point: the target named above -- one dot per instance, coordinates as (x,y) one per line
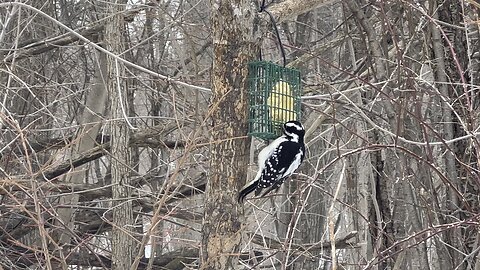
(234,47)
(123,243)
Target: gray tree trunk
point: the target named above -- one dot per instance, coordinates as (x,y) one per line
(91,122)
(232,23)
(123,243)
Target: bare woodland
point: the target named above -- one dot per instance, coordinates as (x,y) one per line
(123,135)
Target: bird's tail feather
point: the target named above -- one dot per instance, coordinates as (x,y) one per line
(247,190)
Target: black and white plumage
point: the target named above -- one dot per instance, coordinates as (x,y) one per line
(278,160)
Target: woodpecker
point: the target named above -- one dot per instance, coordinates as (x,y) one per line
(281,103)
(278,160)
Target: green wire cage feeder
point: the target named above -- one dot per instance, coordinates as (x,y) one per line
(273,97)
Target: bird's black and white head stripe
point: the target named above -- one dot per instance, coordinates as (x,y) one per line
(294,130)
(278,160)
(294,124)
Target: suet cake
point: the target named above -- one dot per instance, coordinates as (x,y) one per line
(281,104)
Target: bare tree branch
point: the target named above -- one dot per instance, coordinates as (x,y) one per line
(289,9)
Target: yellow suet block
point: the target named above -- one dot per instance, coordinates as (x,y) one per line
(281,103)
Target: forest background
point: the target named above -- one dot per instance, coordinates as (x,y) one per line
(123,135)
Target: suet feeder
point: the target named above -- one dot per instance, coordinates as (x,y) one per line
(273,97)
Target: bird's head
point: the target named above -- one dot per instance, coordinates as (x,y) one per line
(294,130)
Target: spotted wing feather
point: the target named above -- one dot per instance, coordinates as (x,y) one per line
(288,157)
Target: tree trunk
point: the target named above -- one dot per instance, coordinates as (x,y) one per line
(232,23)
(86,137)
(122,241)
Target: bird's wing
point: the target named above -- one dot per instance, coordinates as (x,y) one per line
(282,157)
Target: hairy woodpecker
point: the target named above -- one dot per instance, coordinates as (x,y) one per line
(278,160)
